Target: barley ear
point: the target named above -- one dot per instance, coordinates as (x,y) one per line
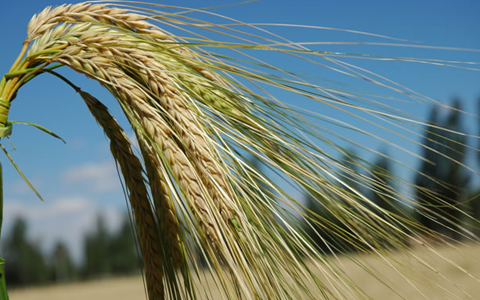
(164,206)
(131,169)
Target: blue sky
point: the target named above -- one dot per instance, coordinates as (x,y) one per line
(78,180)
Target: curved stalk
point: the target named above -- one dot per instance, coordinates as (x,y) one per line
(3,285)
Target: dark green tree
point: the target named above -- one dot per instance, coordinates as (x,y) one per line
(268,193)
(97,251)
(110,253)
(382,193)
(24,261)
(351,168)
(475,193)
(425,181)
(63,268)
(327,232)
(386,201)
(123,253)
(442,183)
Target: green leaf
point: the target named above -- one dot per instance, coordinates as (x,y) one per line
(21,173)
(39,127)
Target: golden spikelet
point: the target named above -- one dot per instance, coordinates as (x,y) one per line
(163,201)
(135,102)
(198,115)
(142,211)
(83,12)
(193,138)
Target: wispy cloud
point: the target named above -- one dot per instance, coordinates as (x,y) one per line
(44,210)
(98,176)
(20,188)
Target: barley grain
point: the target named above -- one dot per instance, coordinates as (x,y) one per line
(132,171)
(83,12)
(83,58)
(164,206)
(192,122)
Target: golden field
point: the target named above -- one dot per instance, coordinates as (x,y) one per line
(425,282)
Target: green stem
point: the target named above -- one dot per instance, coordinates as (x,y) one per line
(1,199)
(20,82)
(49,51)
(3,82)
(3,284)
(46,69)
(76,88)
(21,72)
(20,55)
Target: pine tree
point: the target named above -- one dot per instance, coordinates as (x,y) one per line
(63,267)
(442,183)
(381,193)
(329,233)
(97,251)
(475,193)
(25,263)
(123,253)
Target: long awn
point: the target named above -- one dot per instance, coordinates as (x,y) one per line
(198,116)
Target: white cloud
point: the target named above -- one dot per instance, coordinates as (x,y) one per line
(100,176)
(20,188)
(43,210)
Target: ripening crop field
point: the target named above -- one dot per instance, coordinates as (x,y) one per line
(460,285)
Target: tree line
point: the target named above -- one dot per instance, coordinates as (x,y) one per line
(105,254)
(442,192)
(445,198)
